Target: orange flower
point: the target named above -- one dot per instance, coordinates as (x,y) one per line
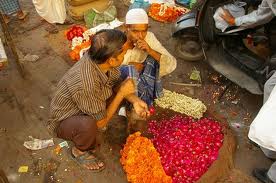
(164,13)
(141,161)
(75,53)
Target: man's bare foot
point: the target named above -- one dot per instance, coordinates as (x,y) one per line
(87,159)
(52,29)
(22,14)
(68,22)
(6,19)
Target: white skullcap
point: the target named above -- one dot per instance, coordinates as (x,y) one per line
(137,16)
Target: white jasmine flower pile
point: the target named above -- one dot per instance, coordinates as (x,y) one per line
(182,104)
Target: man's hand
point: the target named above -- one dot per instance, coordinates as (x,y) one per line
(143,45)
(138,66)
(127,88)
(228,17)
(141,108)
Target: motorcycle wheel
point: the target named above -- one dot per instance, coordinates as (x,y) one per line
(188,48)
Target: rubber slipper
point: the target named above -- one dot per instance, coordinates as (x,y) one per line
(82,161)
(67,22)
(52,29)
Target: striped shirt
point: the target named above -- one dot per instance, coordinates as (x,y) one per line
(84,89)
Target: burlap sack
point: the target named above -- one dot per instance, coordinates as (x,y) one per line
(79,2)
(77,12)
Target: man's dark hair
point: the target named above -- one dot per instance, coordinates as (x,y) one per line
(105,44)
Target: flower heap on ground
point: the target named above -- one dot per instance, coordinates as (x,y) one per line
(166,13)
(80,37)
(141,161)
(182,104)
(187,147)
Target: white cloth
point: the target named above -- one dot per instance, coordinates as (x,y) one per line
(268,88)
(167,61)
(262,129)
(235,9)
(265,12)
(137,16)
(53,11)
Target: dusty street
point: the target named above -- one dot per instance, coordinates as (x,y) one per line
(24,107)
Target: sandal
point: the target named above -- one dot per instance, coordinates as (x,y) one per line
(52,29)
(23,16)
(67,22)
(82,161)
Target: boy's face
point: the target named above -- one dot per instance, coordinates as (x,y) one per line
(136,32)
(118,58)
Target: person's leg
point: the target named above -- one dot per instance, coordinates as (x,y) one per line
(265,175)
(272,172)
(82,131)
(269,85)
(268,153)
(150,87)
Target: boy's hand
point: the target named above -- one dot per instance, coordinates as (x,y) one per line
(141,108)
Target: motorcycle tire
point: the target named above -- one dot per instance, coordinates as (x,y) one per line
(189,48)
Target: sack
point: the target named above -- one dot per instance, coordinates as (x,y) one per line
(53,11)
(263,128)
(79,2)
(77,12)
(235,9)
(93,18)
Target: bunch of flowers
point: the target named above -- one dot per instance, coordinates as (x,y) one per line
(76,52)
(187,147)
(80,39)
(165,13)
(74,31)
(141,161)
(182,104)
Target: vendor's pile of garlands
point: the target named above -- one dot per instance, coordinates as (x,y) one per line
(186,148)
(142,162)
(182,104)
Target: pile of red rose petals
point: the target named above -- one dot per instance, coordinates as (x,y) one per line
(75,31)
(187,147)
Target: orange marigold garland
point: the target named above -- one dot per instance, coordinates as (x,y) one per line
(141,161)
(75,53)
(165,13)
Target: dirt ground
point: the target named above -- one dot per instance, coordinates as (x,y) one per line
(24,107)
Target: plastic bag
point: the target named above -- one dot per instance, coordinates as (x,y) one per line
(144,4)
(36,144)
(235,9)
(262,129)
(93,18)
(184,2)
(53,11)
